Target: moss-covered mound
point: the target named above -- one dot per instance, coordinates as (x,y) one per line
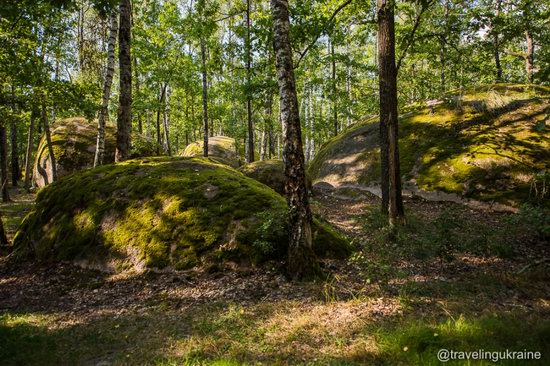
(269,172)
(220,148)
(161,212)
(489,143)
(74,143)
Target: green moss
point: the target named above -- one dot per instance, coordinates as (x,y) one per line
(220,148)
(487,143)
(157,212)
(73,144)
(270,173)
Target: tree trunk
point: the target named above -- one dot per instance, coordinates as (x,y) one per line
(204,97)
(392,202)
(301,258)
(334,99)
(136,78)
(529,56)
(28,155)
(4,163)
(162,96)
(166,121)
(250,156)
(496,44)
(3,237)
(104,111)
(124,120)
(15,170)
(46,126)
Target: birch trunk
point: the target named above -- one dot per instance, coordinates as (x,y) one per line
(302,262)
(104,111)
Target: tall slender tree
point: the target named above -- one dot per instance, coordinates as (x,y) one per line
(392,201)
(301,258)
(124,118)
(104,111)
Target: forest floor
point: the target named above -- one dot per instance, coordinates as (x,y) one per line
(453,277)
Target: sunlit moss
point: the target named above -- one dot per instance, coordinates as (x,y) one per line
(448,149)
(160,212)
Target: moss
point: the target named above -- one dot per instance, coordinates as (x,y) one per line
(156,213)
(486,143)
(220,148)
(270,173)
(74,142)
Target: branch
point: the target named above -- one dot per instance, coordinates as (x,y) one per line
(306,50)
(410,38)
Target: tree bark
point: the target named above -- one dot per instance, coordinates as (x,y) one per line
(162,97)
(392,202)
(28,155)
(529,56)
(4,163)
(48,134)
(334,98)
(496,44)
(3,237)
(204,97)
(15,170)
(250,156)
(104,111)
(124,118)
(302,262)
(166,121)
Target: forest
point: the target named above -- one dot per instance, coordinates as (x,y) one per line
(254,182)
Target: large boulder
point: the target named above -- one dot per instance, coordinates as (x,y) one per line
(269,172)
(220,148)
(489,143)
(74,144)
(173,213)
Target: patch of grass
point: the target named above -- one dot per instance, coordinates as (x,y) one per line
(417,342)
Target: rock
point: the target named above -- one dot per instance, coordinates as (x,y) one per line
(270,173)
(74,144)
(220,148)
(486,153)
(162,213)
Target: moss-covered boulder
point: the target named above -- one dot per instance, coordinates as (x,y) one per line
(269,172)
(74,144)
(488,143)
(162,213)
(220,148)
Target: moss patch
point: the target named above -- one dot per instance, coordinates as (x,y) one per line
(270,173)
(74,143)
(489,143)
(220,148)
(161,212)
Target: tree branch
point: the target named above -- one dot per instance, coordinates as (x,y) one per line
(306,50)
(410,38)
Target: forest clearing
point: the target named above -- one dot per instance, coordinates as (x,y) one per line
(205,182)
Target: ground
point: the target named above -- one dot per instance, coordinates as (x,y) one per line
(472,282)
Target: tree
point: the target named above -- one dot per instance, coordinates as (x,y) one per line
(124,119)
(104,111)
(392,201)
(301,259)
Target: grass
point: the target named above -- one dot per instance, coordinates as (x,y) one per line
(283,333)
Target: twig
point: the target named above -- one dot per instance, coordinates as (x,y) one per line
(534,264)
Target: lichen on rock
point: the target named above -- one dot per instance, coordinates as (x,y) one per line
(173,213)
(220,148)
